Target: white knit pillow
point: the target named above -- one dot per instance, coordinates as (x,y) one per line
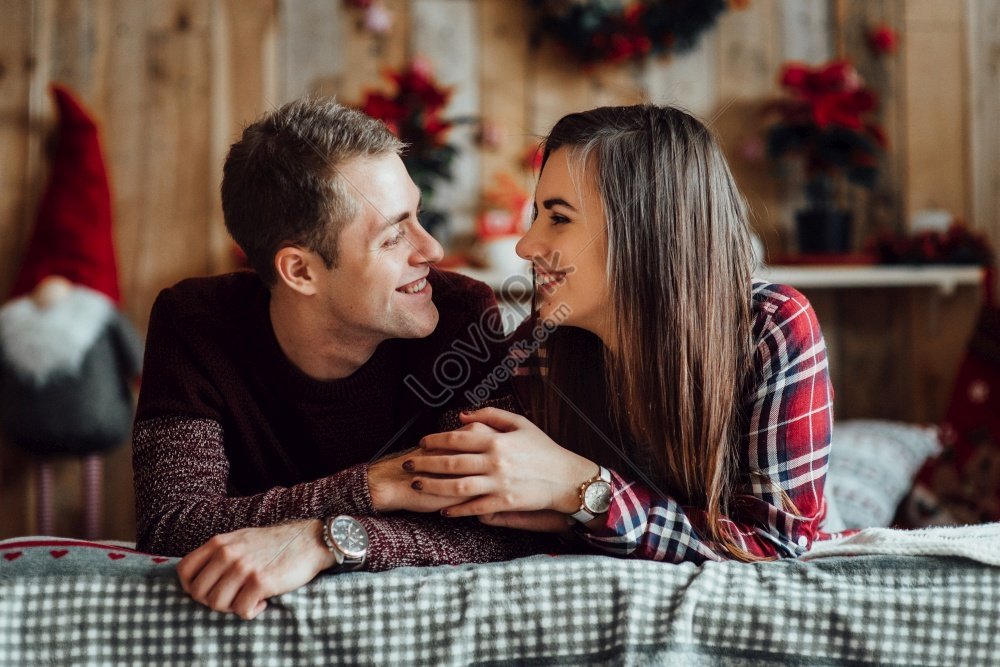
(872,467)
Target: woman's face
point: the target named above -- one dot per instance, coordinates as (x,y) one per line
(567,246)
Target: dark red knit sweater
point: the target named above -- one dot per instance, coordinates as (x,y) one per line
(230,434)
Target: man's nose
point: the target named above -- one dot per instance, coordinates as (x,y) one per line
(426,249)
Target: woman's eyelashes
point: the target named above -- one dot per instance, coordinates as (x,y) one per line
(554,218)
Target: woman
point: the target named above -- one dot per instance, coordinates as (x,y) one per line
(699,396)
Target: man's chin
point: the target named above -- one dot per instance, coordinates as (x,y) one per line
(421,325)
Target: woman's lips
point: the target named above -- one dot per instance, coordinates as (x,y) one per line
(548,281)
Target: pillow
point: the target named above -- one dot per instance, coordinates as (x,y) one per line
(43,554)
(872,467)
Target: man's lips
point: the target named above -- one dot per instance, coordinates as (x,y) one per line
(415,287)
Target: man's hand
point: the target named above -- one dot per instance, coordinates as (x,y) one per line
(510,467)
(389,484)
(239,571)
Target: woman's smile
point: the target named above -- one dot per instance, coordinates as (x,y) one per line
(549,281)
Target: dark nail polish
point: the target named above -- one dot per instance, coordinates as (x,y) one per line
(417,484)
(445,513)
(408,466)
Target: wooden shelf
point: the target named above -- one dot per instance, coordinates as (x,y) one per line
(946,278)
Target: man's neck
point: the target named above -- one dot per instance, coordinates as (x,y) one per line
(315,347)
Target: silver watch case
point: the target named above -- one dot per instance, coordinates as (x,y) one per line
(349,540)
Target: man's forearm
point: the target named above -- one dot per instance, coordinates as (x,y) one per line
(181,471)
(181,502)
(414,540)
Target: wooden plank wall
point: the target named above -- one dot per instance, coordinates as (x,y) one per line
(173,81)
(983,105)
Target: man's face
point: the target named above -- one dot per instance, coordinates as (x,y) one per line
(379,288)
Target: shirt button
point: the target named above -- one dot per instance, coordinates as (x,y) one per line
(803,541)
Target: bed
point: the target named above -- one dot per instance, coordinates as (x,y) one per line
(82,603)
(65,601)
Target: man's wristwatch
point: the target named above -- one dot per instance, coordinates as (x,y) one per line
(347,540)
(595,497)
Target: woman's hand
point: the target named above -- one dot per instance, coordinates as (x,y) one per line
(507,464)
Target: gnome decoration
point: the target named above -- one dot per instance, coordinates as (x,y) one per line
(67,355)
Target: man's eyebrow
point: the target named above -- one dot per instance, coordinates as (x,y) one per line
(402,217)
(557,201)
(398,219)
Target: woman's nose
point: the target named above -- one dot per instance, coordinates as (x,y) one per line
(529,246)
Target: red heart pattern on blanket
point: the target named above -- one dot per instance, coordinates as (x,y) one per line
(160,559)
(114,556)
(13,555)
(59,553)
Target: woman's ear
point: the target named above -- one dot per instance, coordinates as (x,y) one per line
(295,268)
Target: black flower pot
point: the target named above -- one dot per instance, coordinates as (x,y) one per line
(823,231)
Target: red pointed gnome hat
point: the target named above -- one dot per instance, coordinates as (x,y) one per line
(73,234)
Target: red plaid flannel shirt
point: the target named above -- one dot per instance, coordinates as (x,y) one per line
(790,420)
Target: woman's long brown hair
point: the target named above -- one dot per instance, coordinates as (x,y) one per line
(679,266)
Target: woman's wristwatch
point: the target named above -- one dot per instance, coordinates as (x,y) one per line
(595,497)
(347,540)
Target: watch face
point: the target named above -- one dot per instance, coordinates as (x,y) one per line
(597,497)
(350,536)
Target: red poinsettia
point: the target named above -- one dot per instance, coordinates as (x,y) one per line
(414,111)
(832,94)
(830,119)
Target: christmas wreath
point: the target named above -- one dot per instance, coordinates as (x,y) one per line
(615,31)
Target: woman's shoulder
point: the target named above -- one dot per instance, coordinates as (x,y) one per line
(781,311)
(771,297)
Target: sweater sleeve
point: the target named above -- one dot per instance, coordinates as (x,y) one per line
(181,471)
(785,451)
(181,502)
(411,540)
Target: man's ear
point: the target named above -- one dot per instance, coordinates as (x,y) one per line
(296,269)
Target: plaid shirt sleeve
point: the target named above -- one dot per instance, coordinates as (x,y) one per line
(784,452)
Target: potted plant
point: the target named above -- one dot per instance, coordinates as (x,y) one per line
(414,112)
(828,119)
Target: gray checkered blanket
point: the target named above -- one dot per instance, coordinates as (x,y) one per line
(64,602)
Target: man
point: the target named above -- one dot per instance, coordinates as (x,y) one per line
(266,394)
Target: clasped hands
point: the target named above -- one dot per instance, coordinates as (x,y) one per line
(498,466)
